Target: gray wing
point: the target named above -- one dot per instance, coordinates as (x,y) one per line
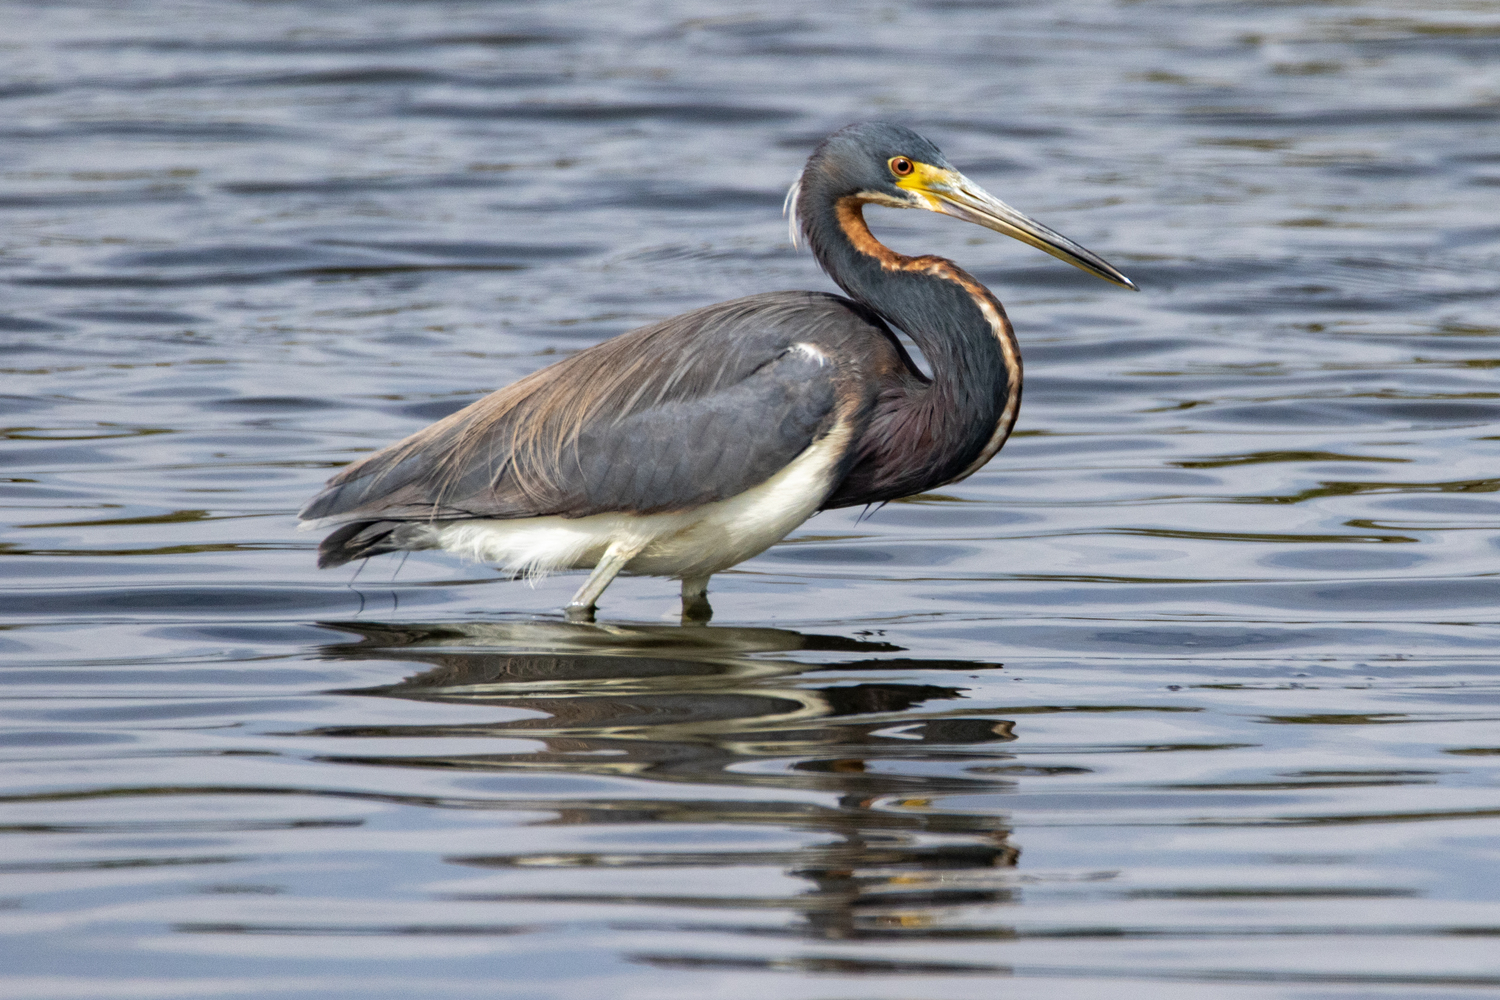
(692,410)
(679,455)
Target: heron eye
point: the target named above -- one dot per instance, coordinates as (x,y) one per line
(901,166)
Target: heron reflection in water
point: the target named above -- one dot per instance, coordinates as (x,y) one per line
(868,803)
(683,448)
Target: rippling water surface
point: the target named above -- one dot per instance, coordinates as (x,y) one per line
(1191,693)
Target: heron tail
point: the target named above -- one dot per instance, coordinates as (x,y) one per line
(363,539)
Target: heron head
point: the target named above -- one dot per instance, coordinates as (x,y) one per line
(883,163)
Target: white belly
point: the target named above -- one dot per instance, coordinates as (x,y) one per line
(682,544)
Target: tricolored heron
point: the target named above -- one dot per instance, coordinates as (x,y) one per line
(685,447)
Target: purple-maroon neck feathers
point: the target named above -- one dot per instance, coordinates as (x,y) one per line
(924,433)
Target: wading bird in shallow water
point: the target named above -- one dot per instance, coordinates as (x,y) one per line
(685,447)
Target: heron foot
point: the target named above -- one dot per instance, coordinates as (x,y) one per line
(580,612)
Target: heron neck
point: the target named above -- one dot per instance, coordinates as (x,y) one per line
(950,315)
(960,327)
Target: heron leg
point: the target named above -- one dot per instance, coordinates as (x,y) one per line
(695,606)
(581,607)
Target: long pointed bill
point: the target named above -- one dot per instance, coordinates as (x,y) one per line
(951,193)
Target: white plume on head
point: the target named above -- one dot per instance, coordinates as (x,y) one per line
(789,209)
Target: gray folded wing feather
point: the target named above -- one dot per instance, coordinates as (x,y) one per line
(692,410)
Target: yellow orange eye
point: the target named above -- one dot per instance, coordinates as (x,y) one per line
(901,166)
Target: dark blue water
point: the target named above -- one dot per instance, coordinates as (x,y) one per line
(1193,692)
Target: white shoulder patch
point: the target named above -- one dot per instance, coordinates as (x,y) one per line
(811,353)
